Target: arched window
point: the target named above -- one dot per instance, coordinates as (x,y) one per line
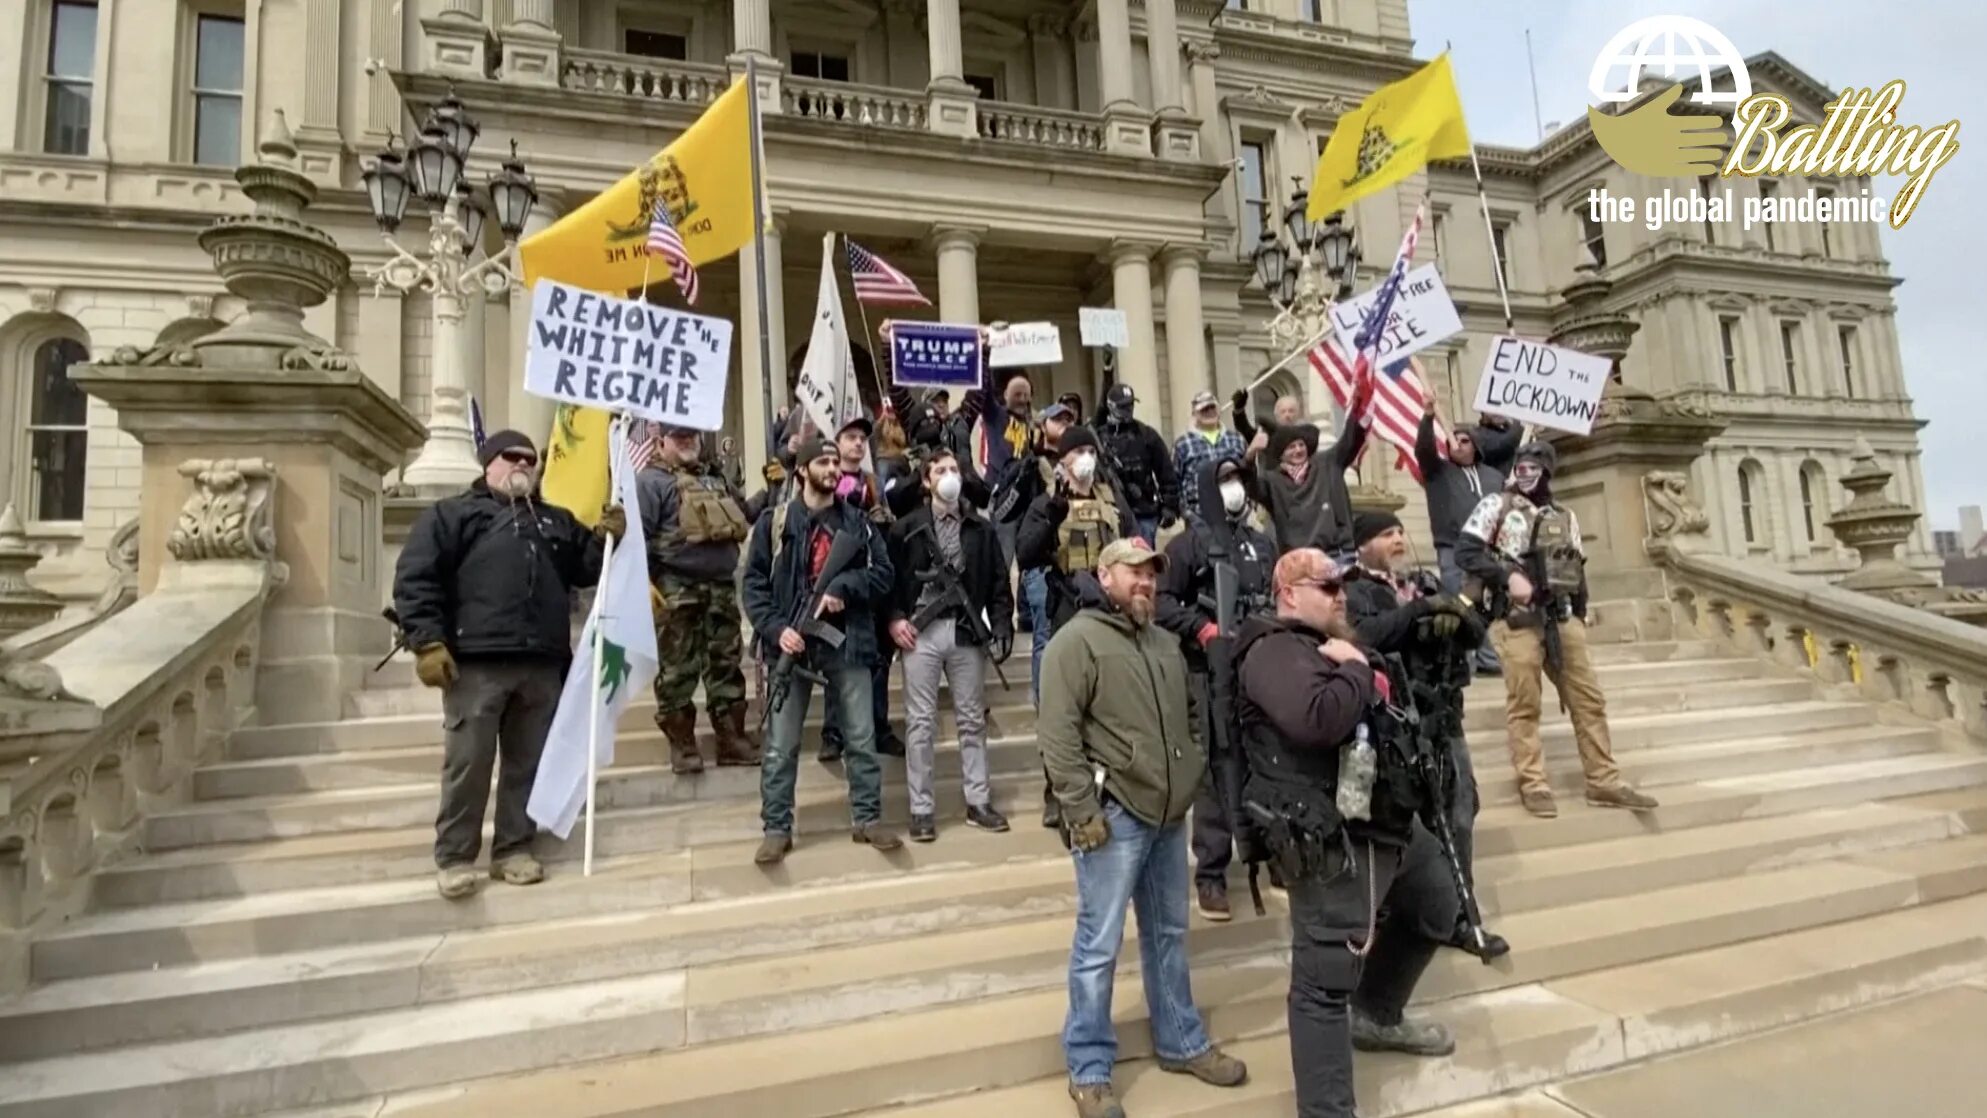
(58,431)
(1752,485)
(1814,499)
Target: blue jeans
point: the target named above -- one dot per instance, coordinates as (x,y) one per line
(1145,867)
(780,768)
(1035,596)
(1149,529)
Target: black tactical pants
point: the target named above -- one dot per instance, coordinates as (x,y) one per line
(495,708)
(1214,837)
(1417,910)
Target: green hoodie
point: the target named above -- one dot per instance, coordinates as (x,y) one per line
(1115,697)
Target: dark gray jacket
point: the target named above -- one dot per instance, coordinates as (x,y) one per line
(659,488)
(1453,490)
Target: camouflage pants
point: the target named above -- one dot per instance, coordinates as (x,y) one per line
(697,633)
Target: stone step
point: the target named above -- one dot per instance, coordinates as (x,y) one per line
(1006,1049)
(1484,700)
(318,955)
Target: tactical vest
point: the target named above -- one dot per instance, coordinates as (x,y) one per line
(706,513)
(1556,541)
(1092,523)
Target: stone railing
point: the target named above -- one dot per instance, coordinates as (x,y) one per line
(1932,666)
(690,83)
(1038,127)
(161,688)
(871,106)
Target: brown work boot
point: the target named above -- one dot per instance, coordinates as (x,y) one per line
(517,869)
(680,727)
(876,835)
(1212,1067)
(773,849)
(1621,795)
(735,745)
(1539,802)
(1095,1100)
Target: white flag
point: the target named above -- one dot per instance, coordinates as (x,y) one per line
(621,614)
(827,386)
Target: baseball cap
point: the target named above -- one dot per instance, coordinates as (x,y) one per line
(1131,551)
(1204,401)
(813,448)
(1058,410)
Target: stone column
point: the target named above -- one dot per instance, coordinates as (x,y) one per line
(523,411)
(752,27)
(458,39)
(1214,139)
(758,373)
(1131,290)
(447,461)
(953,103)
(958,273)
(1128,128)
(1179,133)
(531,45)
(1186,341)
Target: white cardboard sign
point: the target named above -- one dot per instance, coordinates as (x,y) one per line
(1025,343)
(624,355)
(1103,326)
(1544,384)
(1421,316)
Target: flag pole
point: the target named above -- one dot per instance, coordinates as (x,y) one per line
(759,219)
(862,312)
(614,454)
(1489,231)
(1304,348)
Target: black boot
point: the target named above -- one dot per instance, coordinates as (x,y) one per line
(831,745)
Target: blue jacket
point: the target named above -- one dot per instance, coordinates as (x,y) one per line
(775,589)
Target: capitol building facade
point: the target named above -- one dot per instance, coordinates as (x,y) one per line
(1020,159)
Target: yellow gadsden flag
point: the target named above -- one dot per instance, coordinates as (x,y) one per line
(704,177)
(1390,136)
(576,462)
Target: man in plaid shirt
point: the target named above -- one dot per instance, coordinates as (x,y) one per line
(1207,441)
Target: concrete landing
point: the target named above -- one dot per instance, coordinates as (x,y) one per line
(1919,1056)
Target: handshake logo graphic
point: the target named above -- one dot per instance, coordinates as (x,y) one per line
(1650,139)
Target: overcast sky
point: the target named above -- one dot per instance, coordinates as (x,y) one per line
(1940,252)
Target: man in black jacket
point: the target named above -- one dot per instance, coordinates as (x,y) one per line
(1141,462)
(1370,899)
(1220,531)
(790,545)
(484,593)
(945,543)
(1454,486)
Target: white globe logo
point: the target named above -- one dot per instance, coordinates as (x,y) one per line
(1669,45)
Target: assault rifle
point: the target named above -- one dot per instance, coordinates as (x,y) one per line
(1230,605)
(399,637)
(952,599)
(842,553)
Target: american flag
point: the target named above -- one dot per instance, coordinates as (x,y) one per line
(666,242)
(879,284)
(640,441)
(476,422)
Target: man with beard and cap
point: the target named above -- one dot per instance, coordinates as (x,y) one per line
(1140,464)
(1309,505)
(1455,485)
(1370,895)
(1063,533)
(1208,441)
(695,522)
(1124,755)
(1392,608)
(1523,550)
(860,487)
(484,589)
(789,547)
(1221,531)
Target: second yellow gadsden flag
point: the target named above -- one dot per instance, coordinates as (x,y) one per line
(1391,135)
(704,177)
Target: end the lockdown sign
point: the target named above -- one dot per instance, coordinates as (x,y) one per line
(1549,385)
(628,356)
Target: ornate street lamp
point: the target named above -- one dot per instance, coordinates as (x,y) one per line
(433,168)
(1303,267)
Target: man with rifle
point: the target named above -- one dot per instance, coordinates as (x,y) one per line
(1217,571)
(1403,615)
(816,573)
(950,602)
(1370,898)
(1522,551)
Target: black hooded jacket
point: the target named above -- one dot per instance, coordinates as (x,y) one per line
(1144,466)
(1454,489)
(1189,573)
(1316,512)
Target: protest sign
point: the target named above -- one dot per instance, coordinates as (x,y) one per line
(1422,315)
(934,355)
(1103,326)
(1544,384)
(623,355)
(1025,343)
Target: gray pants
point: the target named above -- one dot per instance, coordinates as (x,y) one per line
(965,670)
(495,707)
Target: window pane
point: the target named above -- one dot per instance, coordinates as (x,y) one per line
(58,474)
(834,68)
(72,41)
(217,66)
(68,122)
(984,84)
(655,44)
(805,64)
(217,130)
(57,401)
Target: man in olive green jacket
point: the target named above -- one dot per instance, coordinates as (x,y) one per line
(1124,757)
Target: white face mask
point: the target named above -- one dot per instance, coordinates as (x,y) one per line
(1233,496)
(947,488)
(1083,467)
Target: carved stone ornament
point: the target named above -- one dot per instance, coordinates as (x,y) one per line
(324,359)
(177,356)
(33,681)
(230,514)
(1671,511)
(41,300)
(1199,51)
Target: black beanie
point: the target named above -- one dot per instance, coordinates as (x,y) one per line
(500,441)
(1367,525)
(1076,437)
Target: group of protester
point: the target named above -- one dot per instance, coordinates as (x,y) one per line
(931,534)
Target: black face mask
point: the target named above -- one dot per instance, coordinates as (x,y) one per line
(1119,413)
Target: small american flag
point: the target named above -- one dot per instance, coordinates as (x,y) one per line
(476,422)
(666,242)
(641,440)
(877,283)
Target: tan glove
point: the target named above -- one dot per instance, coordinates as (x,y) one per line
(613,522)
(1091,835)
(434,666)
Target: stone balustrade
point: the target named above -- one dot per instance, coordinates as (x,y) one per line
(1932,666)
(870,106)
(690,83)
(1038,127)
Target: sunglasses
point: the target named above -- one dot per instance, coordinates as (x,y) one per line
(519,457)
(1327,586)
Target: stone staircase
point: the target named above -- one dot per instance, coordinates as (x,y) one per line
(279,948)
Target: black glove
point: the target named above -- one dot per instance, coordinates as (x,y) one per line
(1059,503)
(1240,401)
(1168,518)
